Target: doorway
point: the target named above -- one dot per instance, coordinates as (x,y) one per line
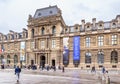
(42,61)
(53,62)
(32,62)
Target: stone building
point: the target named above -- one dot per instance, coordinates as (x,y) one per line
(47,40)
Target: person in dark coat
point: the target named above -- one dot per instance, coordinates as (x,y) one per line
(103,70)
(17,72)
(63,69)
(93,69)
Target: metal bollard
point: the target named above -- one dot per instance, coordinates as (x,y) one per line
(108,80)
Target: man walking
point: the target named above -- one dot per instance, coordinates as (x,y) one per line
(17,73)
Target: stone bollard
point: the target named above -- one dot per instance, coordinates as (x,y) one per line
(108,80)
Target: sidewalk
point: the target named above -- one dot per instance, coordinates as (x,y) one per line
(81,76)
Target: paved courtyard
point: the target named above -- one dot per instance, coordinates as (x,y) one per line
(71,76)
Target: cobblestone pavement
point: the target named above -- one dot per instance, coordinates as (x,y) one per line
(7,76)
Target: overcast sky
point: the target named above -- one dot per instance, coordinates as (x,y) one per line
(14,13)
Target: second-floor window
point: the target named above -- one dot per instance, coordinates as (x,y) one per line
(42,44)
(87,41)
(100,40)
(114,39)
(53,44)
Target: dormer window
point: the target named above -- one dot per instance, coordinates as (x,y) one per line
(26,34)
(9,37)
(32,34)
(39,14)
(51,12)
(88,26)
(53,30)
(43,31)
(12,37)
(100,25)
(113,25)
(5,37)
(16,36)
(23,34)
(76,29)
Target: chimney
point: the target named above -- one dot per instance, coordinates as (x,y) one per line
(83,23)
(94,22)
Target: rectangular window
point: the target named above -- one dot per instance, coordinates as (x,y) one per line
(100,40)
(53,44)
(32,45)
(87,41)
(114,39)
(42,44)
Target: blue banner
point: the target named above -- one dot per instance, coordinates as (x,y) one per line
(65,50)
(76,48)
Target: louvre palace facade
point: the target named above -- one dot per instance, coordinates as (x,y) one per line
(48,40)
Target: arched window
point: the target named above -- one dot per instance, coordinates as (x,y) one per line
(88,57)
(8,59)
(53,30)
(100,57)
(113,25)
(32,34)
(114,57)
(76,29)
(43,31)
(15,59)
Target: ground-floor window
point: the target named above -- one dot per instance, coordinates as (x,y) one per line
(8,59)
(100,57)
(15,59)
(88,57)
(114,57)
(1,59)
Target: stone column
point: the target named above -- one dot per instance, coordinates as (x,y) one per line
(82,59)
(107,58)
(71,59)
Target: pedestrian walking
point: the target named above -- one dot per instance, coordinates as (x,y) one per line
(103,70)
(17,73)
(103,73)
(63,69)
(93,69)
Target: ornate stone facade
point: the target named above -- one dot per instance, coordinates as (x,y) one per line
(88,44)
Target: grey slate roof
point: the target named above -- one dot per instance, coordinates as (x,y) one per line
(48,11)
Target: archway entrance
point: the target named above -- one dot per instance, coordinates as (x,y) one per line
(53,62)
(32,62)
(42,61)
